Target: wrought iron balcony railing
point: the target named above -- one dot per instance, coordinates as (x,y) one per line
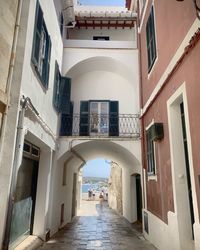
(94,125)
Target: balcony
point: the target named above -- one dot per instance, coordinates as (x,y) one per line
(100,126)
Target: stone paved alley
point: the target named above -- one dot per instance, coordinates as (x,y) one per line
(97,227)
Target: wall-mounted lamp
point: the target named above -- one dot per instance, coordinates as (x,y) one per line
(197,8)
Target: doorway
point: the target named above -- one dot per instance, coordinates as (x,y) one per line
(74,201)
(25,198)
(187,166)
(99,118)
(181,169)
(138,197)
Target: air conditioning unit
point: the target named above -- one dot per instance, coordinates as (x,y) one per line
(157,131)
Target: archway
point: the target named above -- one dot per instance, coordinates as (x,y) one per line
(81,151)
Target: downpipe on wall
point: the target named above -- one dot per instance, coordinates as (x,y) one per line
(25,102)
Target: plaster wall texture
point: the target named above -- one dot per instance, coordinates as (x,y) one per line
(119,34)
(8,10)
(42,101)
(25,82)
(110,77)
(63,193)
(172,241)
(103,85)
(127,60)
(129,193)
(115,189)
(9,136)
(31,86)
(120,152)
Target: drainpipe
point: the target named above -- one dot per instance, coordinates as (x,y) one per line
(141,105)
(11,67)
(25,102)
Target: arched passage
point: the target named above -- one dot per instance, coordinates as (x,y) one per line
(79,152)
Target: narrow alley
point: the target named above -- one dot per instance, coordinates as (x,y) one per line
(97,227)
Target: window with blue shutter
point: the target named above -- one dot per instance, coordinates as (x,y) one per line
(62,92)
(84,118)
(151,40)
(41,50)
(114,118)
(65,91)
(150,152)
(67,122)
(56,91)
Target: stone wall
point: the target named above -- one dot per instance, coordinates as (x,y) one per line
(115,188)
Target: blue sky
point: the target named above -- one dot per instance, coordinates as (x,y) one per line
(103,2)
(97,168)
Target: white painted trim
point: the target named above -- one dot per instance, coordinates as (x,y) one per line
(143,15)
(172,63)
(145,188)
(154,176)
(149,125)
(177,180)
(181,91)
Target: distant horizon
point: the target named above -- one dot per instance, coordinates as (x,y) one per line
(97,168)
(95,177)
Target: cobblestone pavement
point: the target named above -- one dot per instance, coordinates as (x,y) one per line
(103,230)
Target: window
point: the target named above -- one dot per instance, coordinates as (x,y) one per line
(41,50)
(99,117)
(61,23)
(62,91)
(101,38)
(64,180)
(56,93)
(151,40)
(150,152)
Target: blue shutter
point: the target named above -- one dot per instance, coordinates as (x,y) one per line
(65,91)
(67,122)
(56,90)
(46,63)
(114,119)
(61,23)
(151,39)
(84,118)
(37,34)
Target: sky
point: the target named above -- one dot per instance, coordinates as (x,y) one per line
(97,168)
(103,2)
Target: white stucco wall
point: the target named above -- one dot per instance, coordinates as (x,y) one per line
(25,82)
(62,193)
(125,153)
(103,85)
(119,34)
(31,86)
(103,75)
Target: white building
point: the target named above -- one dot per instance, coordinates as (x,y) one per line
(74,98)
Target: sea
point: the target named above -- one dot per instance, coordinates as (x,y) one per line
(87,186)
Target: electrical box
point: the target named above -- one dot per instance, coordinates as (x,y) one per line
(157,131)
